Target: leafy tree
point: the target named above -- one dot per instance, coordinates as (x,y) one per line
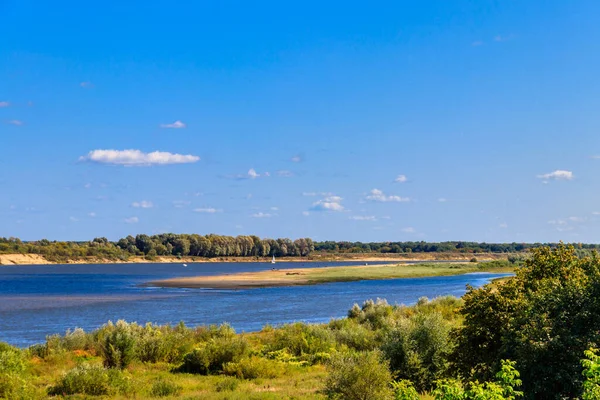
(544,319)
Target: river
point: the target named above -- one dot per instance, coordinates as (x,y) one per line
(36,301)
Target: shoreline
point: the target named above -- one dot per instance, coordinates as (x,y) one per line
(315,276)
(37,259)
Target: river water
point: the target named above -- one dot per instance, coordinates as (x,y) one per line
(36,301)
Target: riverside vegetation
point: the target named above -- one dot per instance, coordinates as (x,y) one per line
(530,337)
(218,246)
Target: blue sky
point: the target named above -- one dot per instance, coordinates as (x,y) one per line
(403,120)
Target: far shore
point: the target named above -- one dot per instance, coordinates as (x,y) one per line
(36,259)
(312,276)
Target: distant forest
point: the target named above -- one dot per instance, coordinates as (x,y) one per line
(210,246)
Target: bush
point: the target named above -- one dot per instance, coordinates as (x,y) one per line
(358,376)
(91,380)
(404,390)
(253,368)
(118,349)
(11,360)
(302,340)
(417,349)
(354,336)
(227,384)
(373,313)
(14,387)
(163,388)
(211,356)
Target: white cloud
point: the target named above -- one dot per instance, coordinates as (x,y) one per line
(73,219)
(503,38)
(274,208)
(503,225)
(576,219)
(442,200)
(262,215)
(409,229)
(363,218)
(557,222)
(208,210)
(312,194)
(15,122)
(252,174)
(305,213)
(137,158)
(596,213)
(477,43)
(86,85)
(297,158)
(142,204)
(132,220)
(401,179)
(181,203)
(267,174)
(92,214)
(559,175)
(4,104)
(285,173)
(87,185)
(330,203)
(175,125)
(379,196)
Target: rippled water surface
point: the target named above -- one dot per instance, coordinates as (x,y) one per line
(36,301)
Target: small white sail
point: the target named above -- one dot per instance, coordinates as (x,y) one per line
(273,260)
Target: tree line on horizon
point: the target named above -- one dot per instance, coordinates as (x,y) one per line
(213,246)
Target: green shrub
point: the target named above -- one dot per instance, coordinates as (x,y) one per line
(418,348)
(302,340)
(14,387)
(11,360)
(163,387)
(354,336)
(253,368)
(404,390)
(358,376)
(92,380)
(118,349)
(227,384)
(212,355)
(374,313)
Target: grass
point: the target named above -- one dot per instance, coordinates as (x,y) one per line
(312,276)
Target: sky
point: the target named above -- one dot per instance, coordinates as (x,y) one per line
(364,121)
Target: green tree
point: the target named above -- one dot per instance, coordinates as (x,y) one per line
(544,319)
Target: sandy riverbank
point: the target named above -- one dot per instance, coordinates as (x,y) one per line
(309,276)
(36,259)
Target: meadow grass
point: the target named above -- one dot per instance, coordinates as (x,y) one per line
(313,276)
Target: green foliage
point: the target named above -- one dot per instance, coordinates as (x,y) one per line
(306,342)
(544,319)
(92,380)
(13,383)
(358,376)
(118,349)
(417,349)
(210,357)
(591,373)
(373,313)
(253,368)
(502,389)
(227,384)
(404,390)
(11,360)
(164,387)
